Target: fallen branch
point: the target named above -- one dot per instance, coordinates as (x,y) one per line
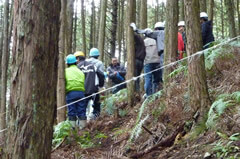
(146,129)
(167,142)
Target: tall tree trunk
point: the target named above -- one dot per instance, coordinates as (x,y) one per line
(203,6)
(181,10)
(238,13)
(83,26)
(1,41)
(143,14)
(4,67)
(61,113)
(222,19)
(197,81)
(211,10)
(138,12)
(75,27)
(130,50)
(156,12)
(114,27)
(163,9)
(231,20)
(101,33)
(171,38)
(92,28)
(119,32)
(33,80)
(69,31)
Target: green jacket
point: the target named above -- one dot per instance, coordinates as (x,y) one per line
(74,79)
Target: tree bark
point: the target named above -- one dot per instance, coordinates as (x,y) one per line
(34,79)
(171,38)
(156,12)
(83,26)
(5,59)
(222,19)
(211,10)
(101,33)
(114,27)
(92,32)
(130,51)
(197,81)
(75,27)
(238,13)
(69,31)
(119,32)
(143,14)
(1,41)
(230,14)
(61,114)
(203,6)
(181,10)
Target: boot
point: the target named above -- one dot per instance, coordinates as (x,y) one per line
(73,123)
(81,124)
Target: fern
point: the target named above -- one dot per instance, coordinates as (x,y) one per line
(137,129)
(61,131)
(236,96)
(222,102)
(177,71)
(109,103)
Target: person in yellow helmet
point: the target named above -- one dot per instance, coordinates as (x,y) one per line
(80,56)
(93,80)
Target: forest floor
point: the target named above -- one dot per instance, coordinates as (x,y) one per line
(168,129)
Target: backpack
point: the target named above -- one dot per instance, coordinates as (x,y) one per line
(91,77)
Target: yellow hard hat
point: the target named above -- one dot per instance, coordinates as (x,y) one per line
(79,53)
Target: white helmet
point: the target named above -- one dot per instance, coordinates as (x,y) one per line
(181,23)
(203,15)
(159,25)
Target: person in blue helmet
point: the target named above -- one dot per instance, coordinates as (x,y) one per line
(75,91)
(94,55)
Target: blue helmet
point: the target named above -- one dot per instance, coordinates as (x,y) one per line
(71,59)
(94,52)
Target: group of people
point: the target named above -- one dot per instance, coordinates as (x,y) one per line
(85,76)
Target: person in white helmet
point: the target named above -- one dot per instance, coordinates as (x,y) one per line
(158,35)
(207,33)
(181,29)
(181,37)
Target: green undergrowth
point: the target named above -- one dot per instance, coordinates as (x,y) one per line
(140,120)
(226,147)
(218,107)
(64,131)
(109,103)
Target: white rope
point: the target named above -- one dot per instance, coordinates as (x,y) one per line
(3,130)
(144,74)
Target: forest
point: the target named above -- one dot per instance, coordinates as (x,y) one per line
(120,79)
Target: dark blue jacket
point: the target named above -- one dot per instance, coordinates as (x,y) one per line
(207,33)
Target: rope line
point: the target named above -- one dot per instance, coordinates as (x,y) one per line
(142,75)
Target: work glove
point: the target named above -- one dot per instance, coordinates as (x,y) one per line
(160,53)
(133,25)
(120,77)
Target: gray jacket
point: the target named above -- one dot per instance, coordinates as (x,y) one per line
(151,51)
(158,35)
(97,63)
